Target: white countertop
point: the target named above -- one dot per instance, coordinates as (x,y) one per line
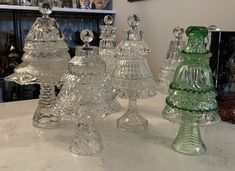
(25,148)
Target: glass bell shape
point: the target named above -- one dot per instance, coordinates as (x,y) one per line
(45,60)
(84,96)
(172,60)
(132,77)
(192,95)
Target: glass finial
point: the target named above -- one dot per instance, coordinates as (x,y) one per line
(86,36)
(133,20)
(198,31)
(178,32)
(196,39)
(213,28)
(108,19)
(45,8)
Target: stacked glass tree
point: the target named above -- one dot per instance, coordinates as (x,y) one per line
(107,51)
(132,76)
(172,60)
(107,46)
(45,60)
(192,95)
(84,94)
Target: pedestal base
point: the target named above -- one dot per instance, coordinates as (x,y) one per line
(188,140)
(132,122)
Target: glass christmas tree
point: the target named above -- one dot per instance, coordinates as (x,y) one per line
(45,60)
(192,96)
(132,76)
(66,99)
(107,46)
(172,60)
(107,51)
(84,94)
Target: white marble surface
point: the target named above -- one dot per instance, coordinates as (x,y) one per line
(24,148)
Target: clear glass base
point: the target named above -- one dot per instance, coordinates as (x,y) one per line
(132,122)
(86,139)
(43,116)
(188,140)
(47,123)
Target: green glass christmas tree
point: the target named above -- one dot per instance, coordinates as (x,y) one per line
(192,96)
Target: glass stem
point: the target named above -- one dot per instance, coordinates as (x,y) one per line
(189,139)
(131,121)
(132,105)
(47,96)
(43,116)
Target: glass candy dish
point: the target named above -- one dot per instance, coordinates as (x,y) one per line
(192,95)
(45,60)
(132,77)
(172,60)
(84,95)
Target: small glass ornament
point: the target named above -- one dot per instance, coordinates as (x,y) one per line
(192,95)
(45,60)
(172,60)
(132,77)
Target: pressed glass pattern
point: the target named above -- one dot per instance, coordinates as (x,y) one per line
(172,60)
(107,51)
(45,60)
(132,77)
(85,95)
(107,45)
(192,96)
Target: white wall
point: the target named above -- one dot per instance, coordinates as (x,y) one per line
(159,17)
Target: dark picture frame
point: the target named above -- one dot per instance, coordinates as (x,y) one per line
(222,64)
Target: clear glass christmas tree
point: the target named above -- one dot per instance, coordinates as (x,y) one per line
(107,46)
(132,76)
(84,94)
(192,95)
(45,60)
(172,60)
(66,99)
(107,51)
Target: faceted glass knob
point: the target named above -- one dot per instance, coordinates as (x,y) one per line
(133,20)
(196,31)
(178,32)
(108,19)
(213,28)
(86,36)
(45,7)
